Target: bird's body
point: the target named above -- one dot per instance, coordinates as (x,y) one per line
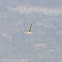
(29,31)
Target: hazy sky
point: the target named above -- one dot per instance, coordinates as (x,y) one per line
(45,42)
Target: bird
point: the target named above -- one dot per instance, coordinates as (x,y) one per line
(29,31)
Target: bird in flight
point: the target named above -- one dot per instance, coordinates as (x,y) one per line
(29,31)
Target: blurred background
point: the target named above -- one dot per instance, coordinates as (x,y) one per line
(45,42)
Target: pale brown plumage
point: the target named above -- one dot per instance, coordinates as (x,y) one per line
(29,31)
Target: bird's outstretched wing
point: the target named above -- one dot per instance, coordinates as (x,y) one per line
(30,28)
